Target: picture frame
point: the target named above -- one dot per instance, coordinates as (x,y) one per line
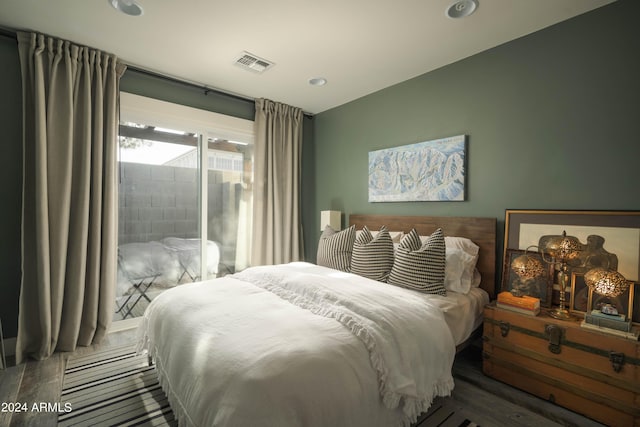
(579,295)
(540,287)
(618,233)
(430,171)
(623,303)
(635,318)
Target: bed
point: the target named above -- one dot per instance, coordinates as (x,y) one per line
(305,345)
(481,230)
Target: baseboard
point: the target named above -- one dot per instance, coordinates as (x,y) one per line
(123,325)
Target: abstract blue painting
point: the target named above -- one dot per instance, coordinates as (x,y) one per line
(424,171)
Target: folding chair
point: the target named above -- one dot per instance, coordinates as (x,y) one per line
(187,253)
(138,266)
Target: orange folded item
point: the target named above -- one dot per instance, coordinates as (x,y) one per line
(526,302)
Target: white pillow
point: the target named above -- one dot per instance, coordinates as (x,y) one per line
(396,236)
(470,248)
(470,277)
(456,264)
(477,278)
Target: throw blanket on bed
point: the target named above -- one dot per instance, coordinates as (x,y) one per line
(283,345)
(399,341)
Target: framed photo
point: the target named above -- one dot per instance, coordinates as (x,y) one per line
(636,303)
(610,239)
(623,303)
(539,287)
(579,296)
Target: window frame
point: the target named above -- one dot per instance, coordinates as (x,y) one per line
(140,109)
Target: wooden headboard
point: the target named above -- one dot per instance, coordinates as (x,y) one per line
(482,231)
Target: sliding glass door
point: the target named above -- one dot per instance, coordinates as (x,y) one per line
(184,202)
(159,215)
(228,197)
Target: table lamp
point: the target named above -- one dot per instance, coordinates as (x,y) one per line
(606,282)
(561,249)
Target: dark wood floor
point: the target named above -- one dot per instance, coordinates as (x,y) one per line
(483,400)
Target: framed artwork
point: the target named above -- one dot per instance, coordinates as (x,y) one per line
(424,171)
(539,287)
(579,296)
(636,303)
(623,303)
(610,239)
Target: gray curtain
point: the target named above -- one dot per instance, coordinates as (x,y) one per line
(277,231)
(69,212)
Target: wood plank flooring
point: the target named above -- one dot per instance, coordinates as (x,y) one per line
(41,382)
(487,402)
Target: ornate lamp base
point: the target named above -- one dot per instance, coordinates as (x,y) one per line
(560,314)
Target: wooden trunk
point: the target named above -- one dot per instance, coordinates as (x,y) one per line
(589,372)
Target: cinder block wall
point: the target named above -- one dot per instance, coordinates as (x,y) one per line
(162,201)
(157,202)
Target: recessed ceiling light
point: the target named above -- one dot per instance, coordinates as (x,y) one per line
(129,7)
(462,8)
(318,81)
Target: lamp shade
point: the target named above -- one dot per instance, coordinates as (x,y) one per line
(332,219)
(606,282)
(563,248)
(527,267)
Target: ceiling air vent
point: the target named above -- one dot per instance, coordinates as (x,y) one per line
(253,63)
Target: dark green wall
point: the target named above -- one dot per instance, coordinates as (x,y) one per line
(11,179)
(143,84)
(551,118)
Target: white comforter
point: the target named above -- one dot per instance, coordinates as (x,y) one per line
(298,345)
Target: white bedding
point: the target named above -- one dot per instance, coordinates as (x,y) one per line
(462,312)
(302,345)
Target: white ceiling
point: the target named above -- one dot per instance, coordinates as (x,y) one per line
(359,46)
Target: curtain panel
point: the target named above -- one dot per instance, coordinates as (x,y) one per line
(69,212)
(277,231)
